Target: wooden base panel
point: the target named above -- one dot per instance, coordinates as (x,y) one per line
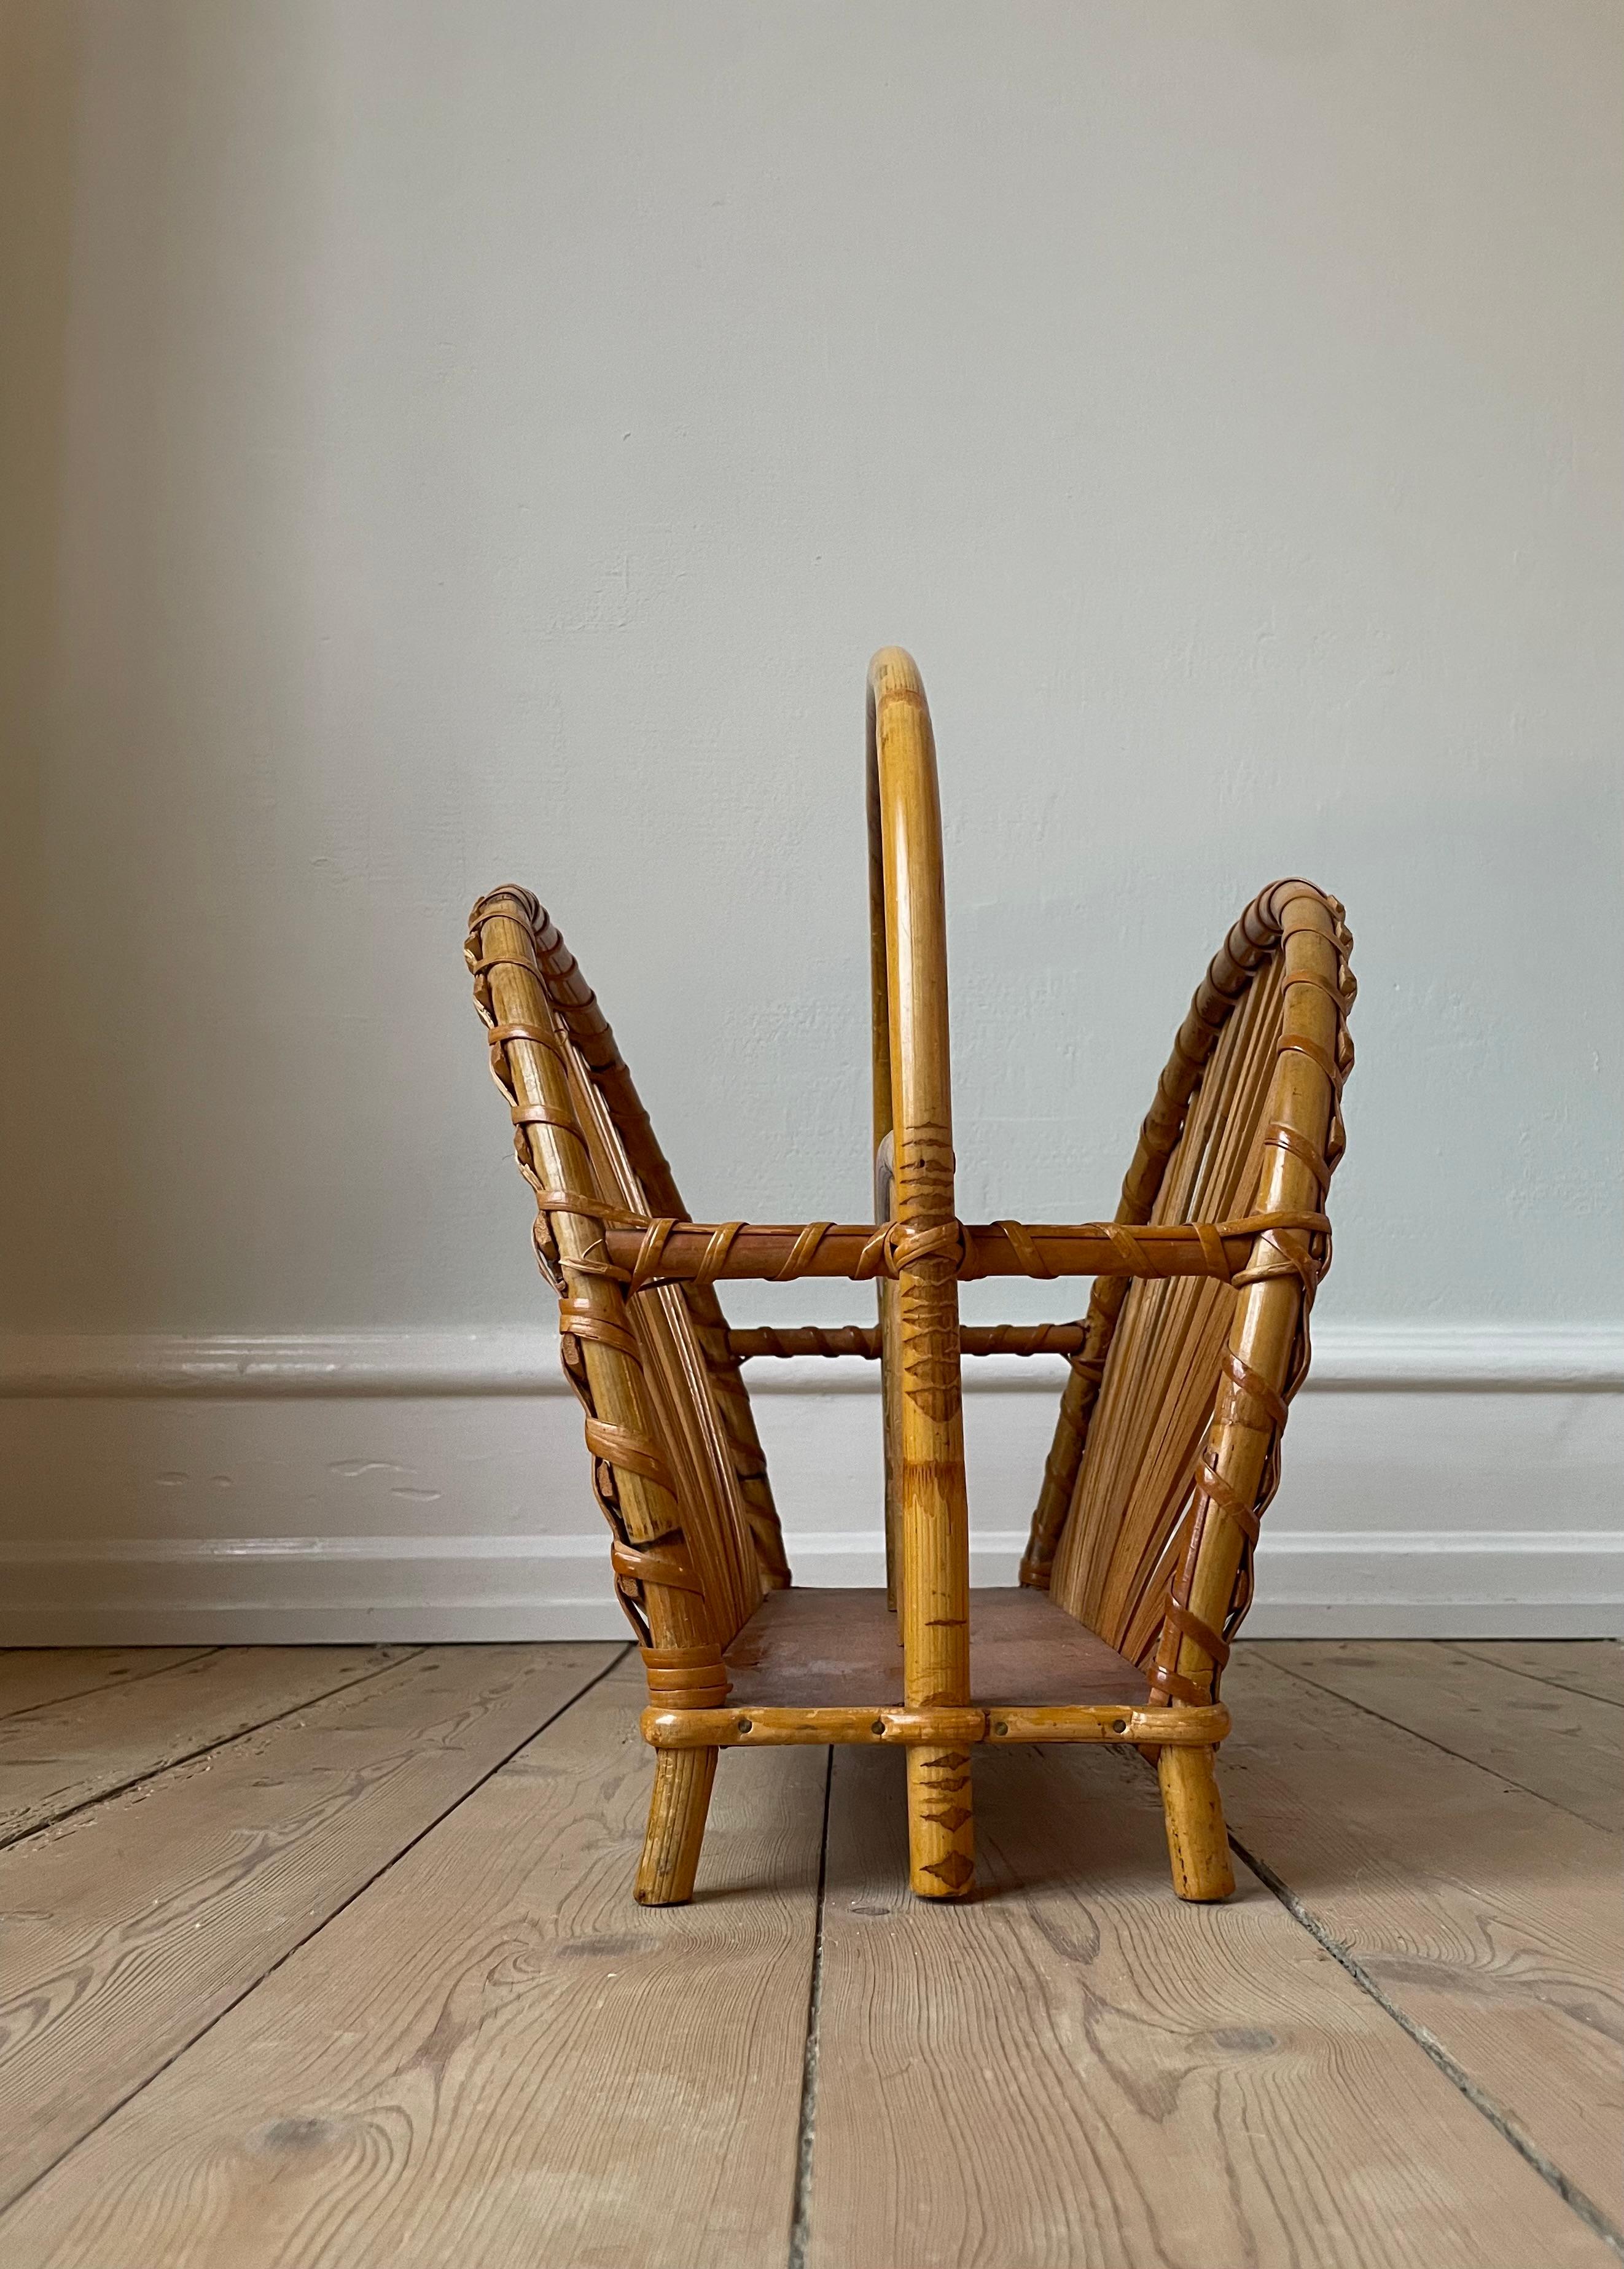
(820,1647)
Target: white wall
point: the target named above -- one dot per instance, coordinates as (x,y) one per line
(448,442)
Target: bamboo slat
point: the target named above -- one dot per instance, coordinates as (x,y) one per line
(627,1152)
(647,1372)
(686,1574)
(589,1032)
(1178,1452)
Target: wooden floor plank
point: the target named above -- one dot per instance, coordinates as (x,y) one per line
(56,1758)
(1077,2070)
(1567,1748)
(1488,1915)
(1585,1665)
(128,1929)
(493,2056)
(32,1675)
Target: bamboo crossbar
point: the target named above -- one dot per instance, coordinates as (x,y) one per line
(865,1340)
(776,1727)
(703,1253)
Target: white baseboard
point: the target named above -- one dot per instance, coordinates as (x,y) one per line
(523,1360)
(309,1590)
(1456,1482)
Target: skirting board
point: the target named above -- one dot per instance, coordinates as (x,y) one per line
(1441,1482)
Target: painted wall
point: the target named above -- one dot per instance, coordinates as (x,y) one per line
(448,443)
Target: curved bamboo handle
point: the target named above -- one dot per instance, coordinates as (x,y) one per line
(884,1176)
(913,1093)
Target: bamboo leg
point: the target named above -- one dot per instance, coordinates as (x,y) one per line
(677,1810)
(1193,1814)
(941,1846)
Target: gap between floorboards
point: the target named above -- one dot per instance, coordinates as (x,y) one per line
(1536,1677)
(9,1839)
(105,1686)
(801,2210)
(1402,1726)
(360,1891)
(1430,2046)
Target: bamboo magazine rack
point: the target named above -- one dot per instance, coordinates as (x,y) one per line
(1167,1445)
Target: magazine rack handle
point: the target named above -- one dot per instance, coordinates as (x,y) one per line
(927,1509)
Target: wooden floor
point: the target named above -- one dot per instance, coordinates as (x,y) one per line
(327,1956)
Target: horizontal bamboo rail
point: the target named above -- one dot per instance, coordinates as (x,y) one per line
(865,1339)
(702,1252)
(949,1725)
